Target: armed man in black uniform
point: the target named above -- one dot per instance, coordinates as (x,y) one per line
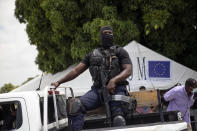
(111,58)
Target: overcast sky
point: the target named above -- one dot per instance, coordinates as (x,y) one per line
(17,56)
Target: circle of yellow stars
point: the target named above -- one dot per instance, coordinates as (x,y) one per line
(163,69)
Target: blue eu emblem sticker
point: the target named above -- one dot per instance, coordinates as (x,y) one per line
(159,69)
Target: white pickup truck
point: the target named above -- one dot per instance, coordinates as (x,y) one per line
(46,111)
(33,111)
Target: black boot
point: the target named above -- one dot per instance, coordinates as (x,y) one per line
(119,121)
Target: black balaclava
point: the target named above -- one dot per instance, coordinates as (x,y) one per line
(106,39)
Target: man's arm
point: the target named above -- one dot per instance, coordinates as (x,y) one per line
(192,100)
(126,72)
(168,96)
(80,68)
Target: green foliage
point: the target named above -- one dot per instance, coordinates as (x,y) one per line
(7,88)
(65,30)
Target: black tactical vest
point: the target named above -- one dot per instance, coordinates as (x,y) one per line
(104,60)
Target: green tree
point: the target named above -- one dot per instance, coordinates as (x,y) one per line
(65,30)
(7,88)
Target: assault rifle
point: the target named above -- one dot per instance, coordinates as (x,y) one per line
(106,97)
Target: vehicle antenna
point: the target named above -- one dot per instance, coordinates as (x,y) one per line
(40,82)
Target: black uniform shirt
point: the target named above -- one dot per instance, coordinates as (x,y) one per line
(122,55)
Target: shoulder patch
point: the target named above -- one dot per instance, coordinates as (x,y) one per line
(96,52)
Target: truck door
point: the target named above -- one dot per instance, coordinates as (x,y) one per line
(13,114)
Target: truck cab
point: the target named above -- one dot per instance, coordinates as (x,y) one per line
(33,110)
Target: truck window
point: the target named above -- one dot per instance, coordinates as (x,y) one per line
(10,115)
(61,108)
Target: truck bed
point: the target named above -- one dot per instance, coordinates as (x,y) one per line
(160,126)
(97,122)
